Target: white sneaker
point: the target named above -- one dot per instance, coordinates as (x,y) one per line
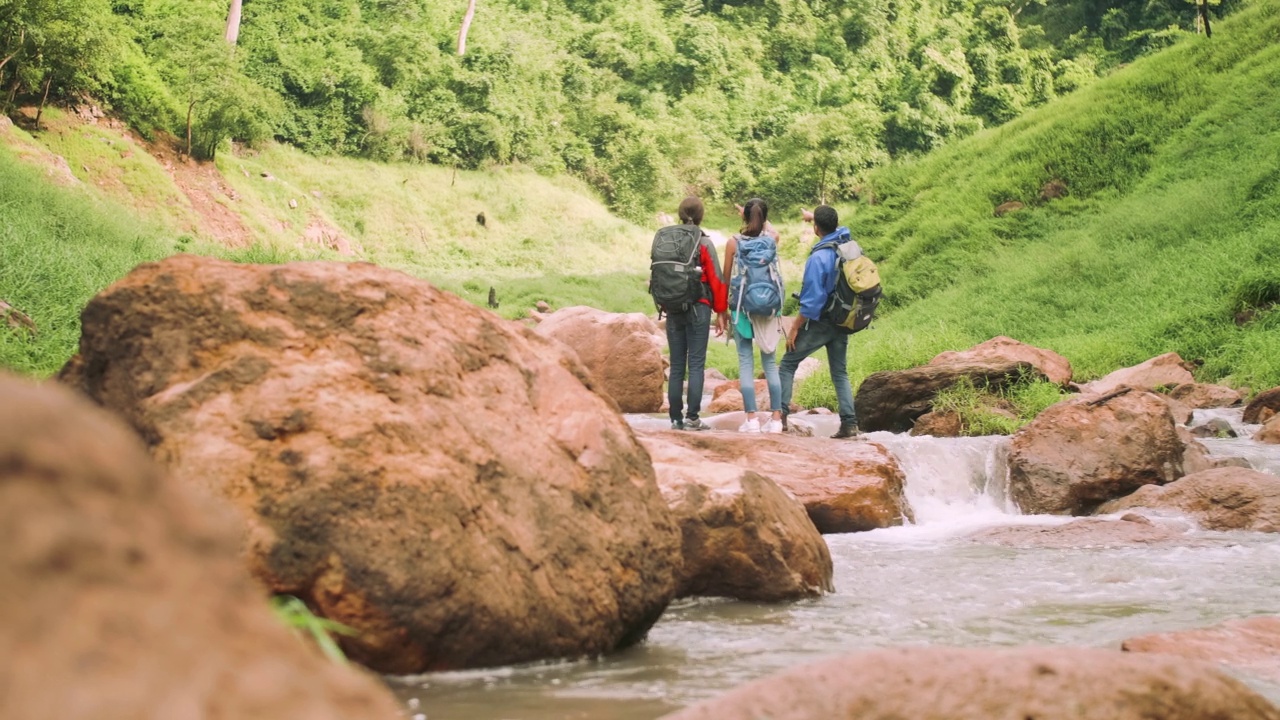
(752,425)
(773,426)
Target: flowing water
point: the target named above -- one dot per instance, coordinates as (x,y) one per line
(924,584)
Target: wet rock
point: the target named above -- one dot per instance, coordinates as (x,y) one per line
(845,486)
(1196,457)
(1214,428)
(1247,645)
(438,478)
(892,400)
(122,593)
(1163,371)
(939,424)
(1270,432)
(1228,498)
(1180,413)
(937,683)
(622,351)
(1129,530)
(744,537)
(728,397)
(1085,451)
(1201,396)
(1262,407)
(1054,367)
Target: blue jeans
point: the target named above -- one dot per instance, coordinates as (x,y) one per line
(687,335)
(747,376)
(816,334)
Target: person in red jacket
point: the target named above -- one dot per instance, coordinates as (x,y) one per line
(688,332)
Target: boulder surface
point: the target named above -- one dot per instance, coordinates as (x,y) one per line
(1084,451)
(122,593)
(844,486)
(1250,645)
(1262,407)
(1055,368)
(744,537)
(937,683)
(444,481)
(1227,498)
(1165,370)
(893,399)
(623,351)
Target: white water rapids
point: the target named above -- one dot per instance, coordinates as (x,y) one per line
(923,584)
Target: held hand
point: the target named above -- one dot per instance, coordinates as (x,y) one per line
(721,324)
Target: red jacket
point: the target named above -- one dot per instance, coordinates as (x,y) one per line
(712,277)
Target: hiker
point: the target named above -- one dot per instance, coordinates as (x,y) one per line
(687,286)
(807,332)
(755,308)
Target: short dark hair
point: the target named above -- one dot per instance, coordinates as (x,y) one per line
(691,211)
(826,219)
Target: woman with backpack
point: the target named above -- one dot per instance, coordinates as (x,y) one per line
(755,307)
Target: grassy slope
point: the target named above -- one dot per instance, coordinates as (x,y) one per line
(1175,204)
(1171,164)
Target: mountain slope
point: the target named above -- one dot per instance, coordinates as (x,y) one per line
(1166,240)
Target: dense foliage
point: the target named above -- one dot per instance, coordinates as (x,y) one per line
(645,99)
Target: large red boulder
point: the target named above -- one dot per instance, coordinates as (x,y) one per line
(1262,407)
(937,683)
(622,351)
(122,593)
(1251,645)
(1269,433)
(440,479)
(1203,395)
(1165,370)
(844,486)
(1054,367)
(1084,451)
(1227,498)
(744,537)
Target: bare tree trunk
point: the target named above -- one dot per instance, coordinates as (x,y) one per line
(466,26)
(47,82)
(22,37)
(191,106)
(233,22)
(1202,8)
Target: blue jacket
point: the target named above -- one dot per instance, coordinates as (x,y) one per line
(820,275)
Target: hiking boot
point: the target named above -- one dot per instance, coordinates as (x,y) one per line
(847,430)
(677,424)
(772,427)
(750,426)
(785,425)
(695,424)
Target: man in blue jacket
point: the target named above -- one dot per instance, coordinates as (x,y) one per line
(808,332)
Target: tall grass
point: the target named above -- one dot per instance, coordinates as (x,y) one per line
(58,248)
(1168,233)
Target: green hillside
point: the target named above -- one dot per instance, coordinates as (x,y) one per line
(643,99)
(1167,240)
(1164,241)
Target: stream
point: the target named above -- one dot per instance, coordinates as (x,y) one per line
(922,584)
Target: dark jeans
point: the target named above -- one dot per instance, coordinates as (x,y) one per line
(814,335)
(687,335)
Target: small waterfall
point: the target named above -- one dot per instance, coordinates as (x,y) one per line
(1262,457)
(953,480)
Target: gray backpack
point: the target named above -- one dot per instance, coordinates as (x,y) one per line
(675,270)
